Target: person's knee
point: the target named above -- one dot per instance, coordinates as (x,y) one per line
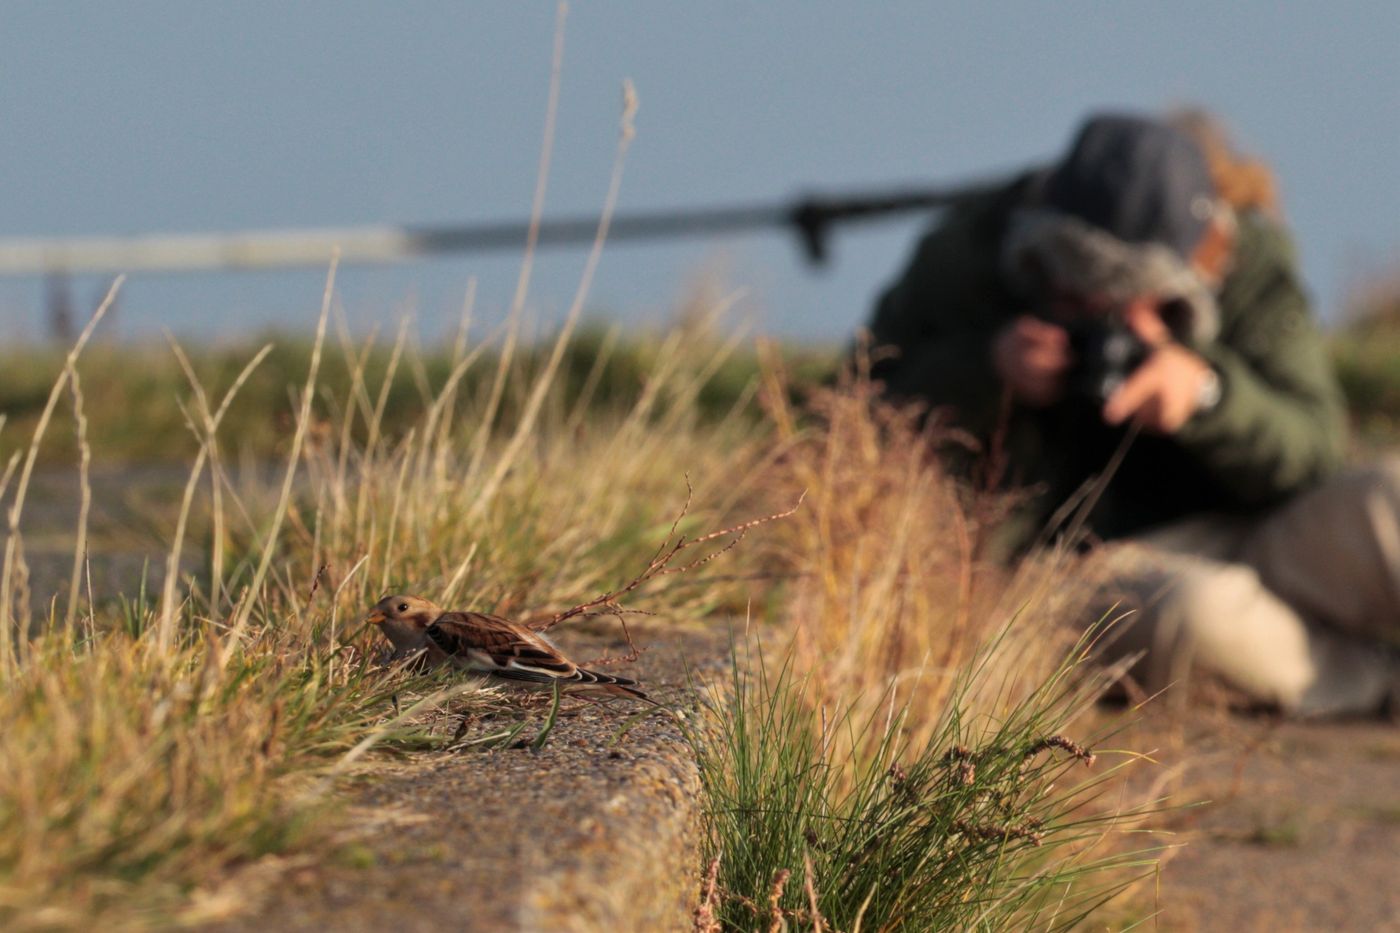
(1201,605)
(1227,624)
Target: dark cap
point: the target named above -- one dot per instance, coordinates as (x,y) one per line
(1141,180)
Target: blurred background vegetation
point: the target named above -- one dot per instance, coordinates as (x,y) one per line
(1367,353)
(132,421)
(130,388)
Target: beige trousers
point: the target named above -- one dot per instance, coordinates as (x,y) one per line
(1298,608)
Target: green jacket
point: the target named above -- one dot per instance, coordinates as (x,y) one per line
(1279,427)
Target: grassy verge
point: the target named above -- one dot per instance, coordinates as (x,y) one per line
(133,419)
(155,743)
(152,743)
(135,774)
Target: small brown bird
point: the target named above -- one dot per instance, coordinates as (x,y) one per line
(487,645)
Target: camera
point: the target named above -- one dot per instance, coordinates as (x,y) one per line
(1106,352)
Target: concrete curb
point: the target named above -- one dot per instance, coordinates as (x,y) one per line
(632,859)
(591,833)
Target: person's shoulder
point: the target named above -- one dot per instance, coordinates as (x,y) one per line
(1264,247)
(969,228)
(1264,295)
(985,209)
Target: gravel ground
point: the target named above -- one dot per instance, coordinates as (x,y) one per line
(583,835)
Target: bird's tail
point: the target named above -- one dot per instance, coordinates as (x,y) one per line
(611,683)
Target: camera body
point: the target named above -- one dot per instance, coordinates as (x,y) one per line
(1106,353)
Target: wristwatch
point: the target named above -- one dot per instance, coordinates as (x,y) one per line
(1211,390)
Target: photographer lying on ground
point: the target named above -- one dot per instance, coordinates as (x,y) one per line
(1136,301)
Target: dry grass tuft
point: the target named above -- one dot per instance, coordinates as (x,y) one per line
(132,771)
(906,745)
(891,599)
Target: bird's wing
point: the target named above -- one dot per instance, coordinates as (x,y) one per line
(490,643)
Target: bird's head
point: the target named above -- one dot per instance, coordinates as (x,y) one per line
(403,619)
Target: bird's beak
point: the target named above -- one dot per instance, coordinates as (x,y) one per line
(376,617)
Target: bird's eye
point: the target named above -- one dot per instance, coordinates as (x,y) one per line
(403,607)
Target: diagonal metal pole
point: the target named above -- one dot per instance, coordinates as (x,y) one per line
(811,217)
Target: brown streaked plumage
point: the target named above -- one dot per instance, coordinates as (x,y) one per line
(486,644)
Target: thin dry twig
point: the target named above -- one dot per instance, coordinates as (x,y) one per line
(633,652)
(539,390)
(316,582)
(660,564)
(84,498)
(14,558)
(303,422)
(527,262)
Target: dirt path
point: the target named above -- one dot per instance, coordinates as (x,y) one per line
(1302,831)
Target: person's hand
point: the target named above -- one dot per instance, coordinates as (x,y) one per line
(1033,357)
(1161,394)
(1165,390)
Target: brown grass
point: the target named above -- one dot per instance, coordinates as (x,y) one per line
(156,743)
(890,596)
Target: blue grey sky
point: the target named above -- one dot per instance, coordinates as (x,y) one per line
(147,117)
